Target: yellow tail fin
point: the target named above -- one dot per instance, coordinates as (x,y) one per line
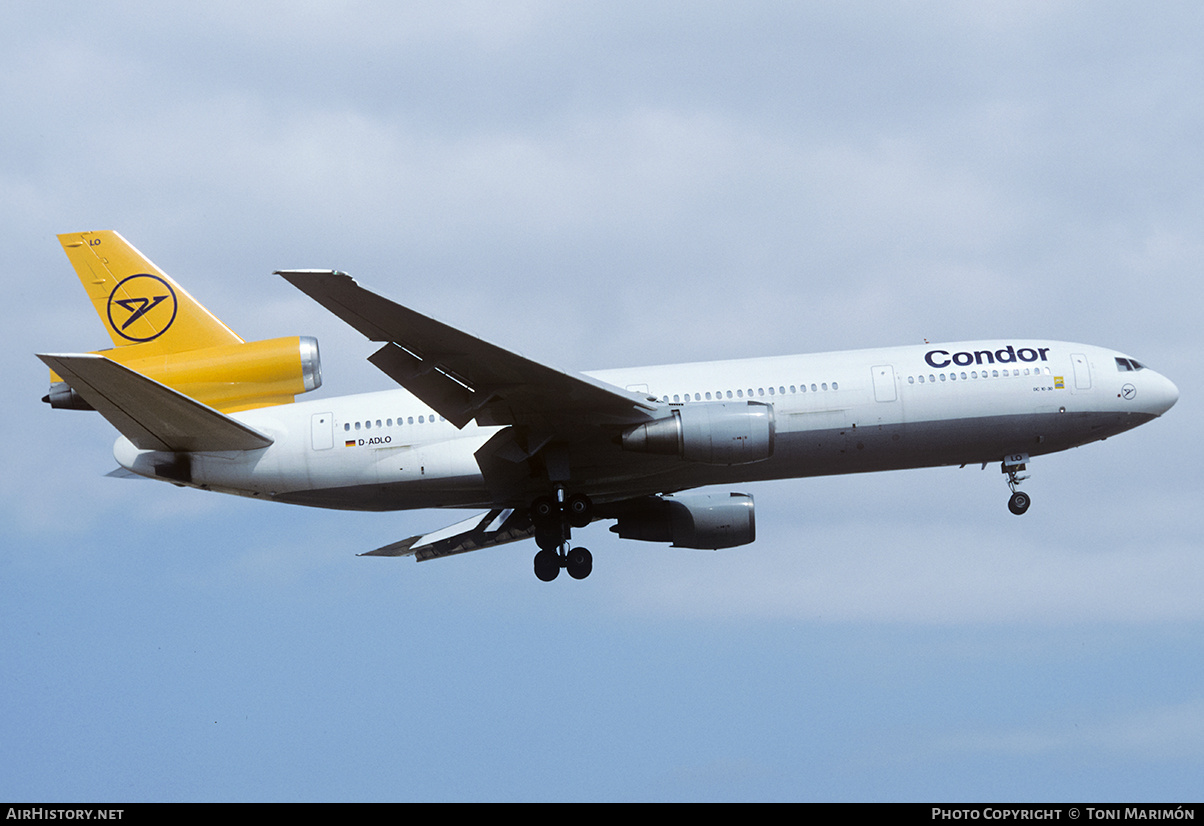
(138,303)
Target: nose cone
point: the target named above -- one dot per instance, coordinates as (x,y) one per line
(1161,394)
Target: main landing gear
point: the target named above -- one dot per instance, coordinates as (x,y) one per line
(553,522)
(1013,466)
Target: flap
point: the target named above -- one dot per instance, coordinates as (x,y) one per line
(497,527)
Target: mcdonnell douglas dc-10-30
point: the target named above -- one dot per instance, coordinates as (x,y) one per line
(544,451)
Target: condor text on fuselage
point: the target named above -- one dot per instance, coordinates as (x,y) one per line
(1006,355)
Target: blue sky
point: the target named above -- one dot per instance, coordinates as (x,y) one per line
(599,185)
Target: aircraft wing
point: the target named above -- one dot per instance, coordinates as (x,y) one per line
(150,414)
(463,377)
(497,527)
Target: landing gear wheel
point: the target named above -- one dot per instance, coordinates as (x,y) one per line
(549,538)
(579,562)
(1019,502)
(579,510)
(545,511)
(547,565)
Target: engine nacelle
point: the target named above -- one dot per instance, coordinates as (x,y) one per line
(229,377)
(718,433)
(706,521)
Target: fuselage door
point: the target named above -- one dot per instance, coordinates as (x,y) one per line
(1082,371)
(321,428)
(884,382)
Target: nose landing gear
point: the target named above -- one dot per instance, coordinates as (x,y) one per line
(1013,465)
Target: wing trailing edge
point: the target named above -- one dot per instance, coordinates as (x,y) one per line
(485,530)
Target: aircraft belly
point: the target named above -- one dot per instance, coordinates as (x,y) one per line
(822,452)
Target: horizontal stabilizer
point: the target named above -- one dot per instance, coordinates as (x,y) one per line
(149,414)
(485,530)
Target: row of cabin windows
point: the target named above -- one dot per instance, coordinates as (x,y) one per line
(932,378)
(369,424)
(781,390)
(719,395)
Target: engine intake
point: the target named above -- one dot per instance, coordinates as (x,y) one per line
(719,433)
(705,521)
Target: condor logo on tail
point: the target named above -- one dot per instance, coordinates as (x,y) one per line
(142,307)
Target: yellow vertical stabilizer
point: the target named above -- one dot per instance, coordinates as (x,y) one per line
(138,303)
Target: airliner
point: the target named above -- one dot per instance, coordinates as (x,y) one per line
(542,451)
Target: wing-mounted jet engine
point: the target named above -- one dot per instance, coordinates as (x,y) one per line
(705,521)
(716,433)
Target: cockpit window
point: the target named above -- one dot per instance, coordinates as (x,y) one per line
(1125,365)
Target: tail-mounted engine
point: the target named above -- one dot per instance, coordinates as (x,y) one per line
(719,433)
(706,521)
(228,377)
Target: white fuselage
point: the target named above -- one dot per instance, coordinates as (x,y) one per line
(843,412)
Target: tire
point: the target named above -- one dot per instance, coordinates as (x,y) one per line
(544,511)
(1019,503)
(579,563)
(547,565)
(579,510)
